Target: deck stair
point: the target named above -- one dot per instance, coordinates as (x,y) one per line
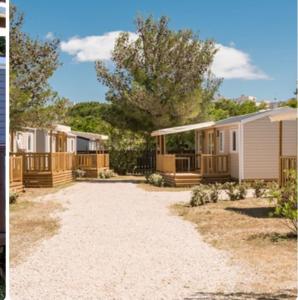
(182,179)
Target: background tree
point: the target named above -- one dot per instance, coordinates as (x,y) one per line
(32,63)
(292,102)
(161,79)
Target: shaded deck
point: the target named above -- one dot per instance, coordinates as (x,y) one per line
(191,169)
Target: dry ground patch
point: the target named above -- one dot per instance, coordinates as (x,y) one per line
(31,221)
(245,229)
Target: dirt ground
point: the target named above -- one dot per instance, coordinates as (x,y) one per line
(31,221)
(246,230)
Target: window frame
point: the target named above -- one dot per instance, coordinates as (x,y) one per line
(221,134)
(232,141)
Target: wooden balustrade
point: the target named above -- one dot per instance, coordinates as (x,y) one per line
(214,165)
(15,168)
(166,163)
(287,163)
(89,161)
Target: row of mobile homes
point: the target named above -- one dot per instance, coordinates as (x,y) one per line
(246,147)
(48,157)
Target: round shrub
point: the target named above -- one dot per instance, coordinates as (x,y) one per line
(155,179)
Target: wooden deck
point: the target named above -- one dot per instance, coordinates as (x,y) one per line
(36,170)
(187,170)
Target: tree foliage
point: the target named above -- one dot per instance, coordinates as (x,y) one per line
(161,79)
(32,63)
(225,108)
(2,46)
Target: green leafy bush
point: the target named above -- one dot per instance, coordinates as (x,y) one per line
(260,188)
(105,174)
(155,179)
(199,196)
(13,196)
(79,173)
(235,191)
(286,201)
(214,190)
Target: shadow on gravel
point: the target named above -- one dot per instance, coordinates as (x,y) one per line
(242,296)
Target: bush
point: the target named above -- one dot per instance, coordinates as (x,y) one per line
(286,201)
(79,173)
(155,179)
(13,196)
(105,174)
(260,188)
(235,191)
(199,196)
(214,190)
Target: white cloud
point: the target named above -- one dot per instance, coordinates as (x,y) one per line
(50,36)
(93,48)
(229,62)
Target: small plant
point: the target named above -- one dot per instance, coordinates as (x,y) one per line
(286,201)
(242,189)
(155,179)
(79,173)
(199,196)
(105,174)
(260,188)
(232,191)
(13,196)
(214,190)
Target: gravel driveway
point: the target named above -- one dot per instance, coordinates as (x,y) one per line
(118,241)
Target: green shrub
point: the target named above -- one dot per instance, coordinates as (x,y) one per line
(242,189)
(79,173)
(235,191)
(214,190)
(105,174)
(260,188)
(13,196)
(199,196)
(155,179)
(286,201)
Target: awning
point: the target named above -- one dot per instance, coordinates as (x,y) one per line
(184,128)
(284,116)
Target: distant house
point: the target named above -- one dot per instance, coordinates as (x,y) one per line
(30,140)
(90,142)
(245,147)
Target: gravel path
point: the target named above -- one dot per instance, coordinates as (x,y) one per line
(118,241)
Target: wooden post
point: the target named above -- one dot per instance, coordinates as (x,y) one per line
(164,145)
(280,152)
(51,150)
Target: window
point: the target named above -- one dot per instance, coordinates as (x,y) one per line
(210,142)
(200,141)
(29,142)
(234,140)
(221,141)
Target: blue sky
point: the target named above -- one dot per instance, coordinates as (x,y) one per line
(256,39)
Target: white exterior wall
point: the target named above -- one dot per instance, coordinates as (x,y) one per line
(261,149)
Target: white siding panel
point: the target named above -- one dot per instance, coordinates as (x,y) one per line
(261,149)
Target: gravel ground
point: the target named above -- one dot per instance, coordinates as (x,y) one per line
(118,241)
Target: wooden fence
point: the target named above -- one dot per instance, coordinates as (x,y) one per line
(214,165)
(15,168)
(90,161)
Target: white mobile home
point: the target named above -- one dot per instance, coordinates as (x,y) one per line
(245,147)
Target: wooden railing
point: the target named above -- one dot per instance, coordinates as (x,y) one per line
(166,163)
(287,163)
(47,162)
(15,168)
(214,165)
(90,161)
